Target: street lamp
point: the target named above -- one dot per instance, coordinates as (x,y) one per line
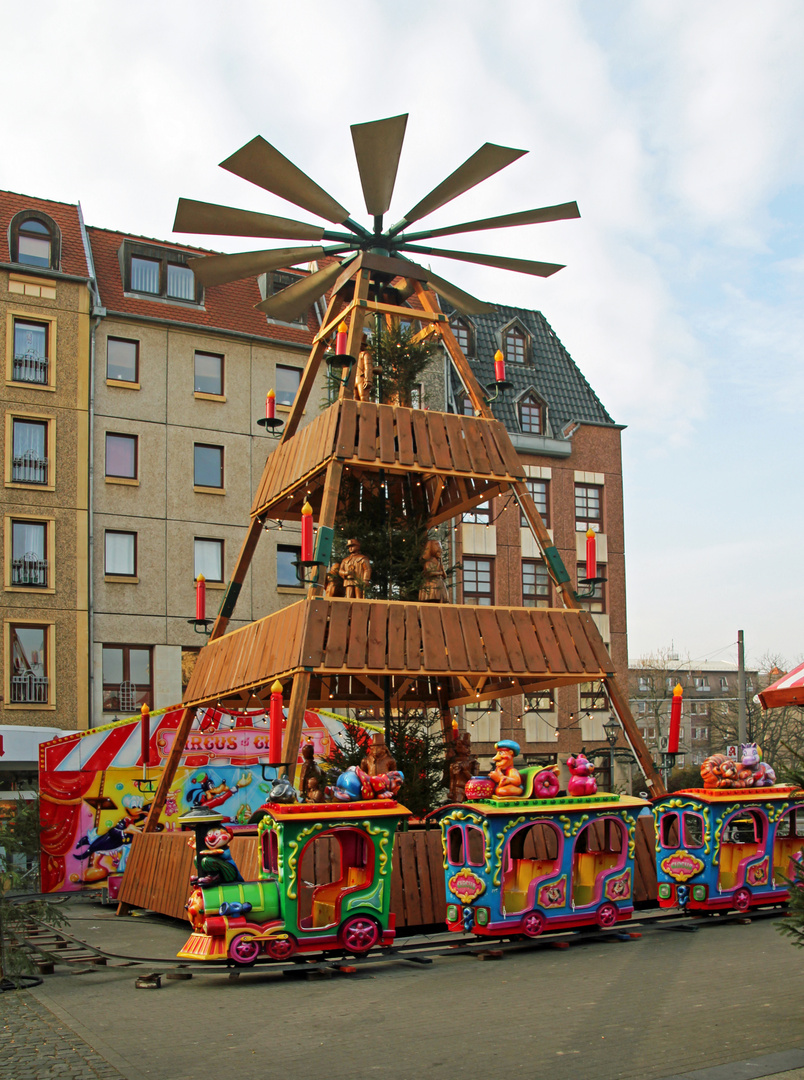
(612,730)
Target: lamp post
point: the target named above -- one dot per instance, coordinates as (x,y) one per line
(612,730)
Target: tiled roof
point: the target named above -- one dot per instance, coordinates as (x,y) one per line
(73,257)
(551,371)
(225,307)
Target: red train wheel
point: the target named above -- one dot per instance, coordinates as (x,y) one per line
(281,948)
(244,950)
(533,924)
(742,899)
(606,916)
(359,934)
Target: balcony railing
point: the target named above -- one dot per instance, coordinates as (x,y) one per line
(31,368)
(29,689)
(29,570)
(29,468)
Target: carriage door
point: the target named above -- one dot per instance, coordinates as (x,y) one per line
(743,839)
(788,842)
(599,849)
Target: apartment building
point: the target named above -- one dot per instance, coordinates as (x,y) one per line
(45,295)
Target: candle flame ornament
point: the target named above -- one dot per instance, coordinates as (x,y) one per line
(591,554)
(307,533)
(270,405)
(276,717)
(499,367)
(675,720)
(200,598)
(340,339)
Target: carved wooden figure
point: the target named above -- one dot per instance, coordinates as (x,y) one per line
(312,782)
(434,586)
(355,570)
(379,758)
(463,765)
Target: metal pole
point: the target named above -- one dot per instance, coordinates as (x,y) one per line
(741,725)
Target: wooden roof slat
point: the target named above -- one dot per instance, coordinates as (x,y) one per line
(434,648)
(498,466)
(492,639)
(337,635)
(564,639)
(455,433)
(315,632)
(413,640)
(347,429)
(358,634)
(472,639)
(596,642)
(516,658)
(541,622)
(377,636)
(388,452)
(404,434)
(442,458)
(424,455)
(529,641)
(453,635)
(506,448)
(475,445)
(367,431)
(585,650)
(396,638)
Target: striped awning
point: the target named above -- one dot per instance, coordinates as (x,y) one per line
(789,690)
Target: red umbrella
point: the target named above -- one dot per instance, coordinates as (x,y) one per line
(789,690)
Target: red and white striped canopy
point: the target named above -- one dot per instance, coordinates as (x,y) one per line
(789,690)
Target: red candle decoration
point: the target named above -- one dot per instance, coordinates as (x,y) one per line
(675,720)
(307,533)
(276,718)
(200,597)
(340,339)
(270,405)
(591,553)
(499,367)
(145,735)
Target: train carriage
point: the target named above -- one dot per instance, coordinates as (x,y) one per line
(517,866)
(719,849)
(346,847)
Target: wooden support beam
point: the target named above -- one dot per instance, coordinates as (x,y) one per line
(244,558)
(620,702)
(329,508)
(293,731)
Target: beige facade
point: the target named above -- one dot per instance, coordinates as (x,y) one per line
(44,340)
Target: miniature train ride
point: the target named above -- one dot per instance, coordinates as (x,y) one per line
(520,858)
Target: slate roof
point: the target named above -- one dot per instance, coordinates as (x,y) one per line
(551,371)
(66,215)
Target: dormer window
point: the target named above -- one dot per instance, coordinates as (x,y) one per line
(158,272)
(531,415)
(463,335)
(516,346)
(34,240)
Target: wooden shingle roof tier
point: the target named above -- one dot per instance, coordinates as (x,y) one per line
(430,651)
(460,460)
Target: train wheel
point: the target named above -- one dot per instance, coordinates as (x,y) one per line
(244,950)
(742,899)
(359,934)
(606,916)
(281,948)
(533,924)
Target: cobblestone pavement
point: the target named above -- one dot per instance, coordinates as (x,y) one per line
(35,1044)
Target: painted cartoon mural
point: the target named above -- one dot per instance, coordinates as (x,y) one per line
(96,788)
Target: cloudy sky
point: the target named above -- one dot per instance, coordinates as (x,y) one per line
(677,126)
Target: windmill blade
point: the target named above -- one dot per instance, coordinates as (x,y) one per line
(204,217)
(293,300)
(219,269)
(263,165)
(502,262)
(462,301)
(505,221)
(485,162)
(377,149)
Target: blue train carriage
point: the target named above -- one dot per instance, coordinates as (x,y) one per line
(724,848)
(516,864)
(324,883)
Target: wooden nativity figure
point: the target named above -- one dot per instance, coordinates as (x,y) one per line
(434,584)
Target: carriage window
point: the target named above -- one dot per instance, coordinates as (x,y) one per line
(600,836)
(270,852)
(455,845)
(476,848)
(540,841)
(670,836)
(744,829)
(693,830)
(792,824)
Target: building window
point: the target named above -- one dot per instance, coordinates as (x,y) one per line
(478,515)
(180,282)
(29,554)
(120,554)
(34,239)
(593,698)
(642,707)
(463,335)
(29,460)
(544,701)
(724,684)
(467,407)
(287,384)
(208,466)
(121,456)
(208,375)
(208,559)
(277,281)
(702,683)
(588,507)
(127,684)
(285,570)
(417,396)
(531,416)
(516,346)
(699,734)
(30,352)
(145,275)
(29,665)
(478,583)
(156,271)
(596,602)
(540,493)
(535,584)
(122,360)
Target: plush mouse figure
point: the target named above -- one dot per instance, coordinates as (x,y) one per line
(581,782)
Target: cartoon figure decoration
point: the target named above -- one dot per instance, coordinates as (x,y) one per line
(582,782)
(718,771)
(355,784)
(355,570)
(506,777)
(546,783)
(214,861)
(434,585)
(378,759)
(209,794)
(283,791)
(311,781)
(334,582)
(463,765)
(100,849)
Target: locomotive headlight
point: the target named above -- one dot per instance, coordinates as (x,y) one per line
(482,916)
(698,892)
(665,890)
(452,913)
